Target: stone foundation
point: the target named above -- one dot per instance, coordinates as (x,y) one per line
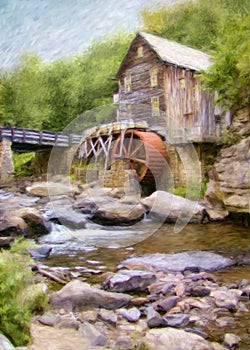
(118,176)
(6,163)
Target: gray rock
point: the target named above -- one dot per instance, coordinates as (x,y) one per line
(225,185)
(154,319)
(92,334)
(231,340)
(49,319)
(200,260)
(176,339)
(176,320)
(169,207)
(68,321)
(89,203)
(41,252)
(118,213)
(166,304)
(77,295)
(124,342)
(226,298)
(68,217)
(224,321)
(45,189)
(130,280)
(200,291)
(5,344)
(132,315)
(246,290)
(107,315)
(90,315)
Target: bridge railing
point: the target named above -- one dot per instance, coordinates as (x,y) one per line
(36,137)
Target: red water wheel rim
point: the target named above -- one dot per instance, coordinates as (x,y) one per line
(141,150)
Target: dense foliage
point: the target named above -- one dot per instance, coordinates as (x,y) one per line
(49,96)
(17,305)
(221,27)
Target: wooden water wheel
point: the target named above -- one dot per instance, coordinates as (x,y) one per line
(142,151)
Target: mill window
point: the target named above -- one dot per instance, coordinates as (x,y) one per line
(154,77)
(155,104)
(127,83)
(140,52)
(182,83)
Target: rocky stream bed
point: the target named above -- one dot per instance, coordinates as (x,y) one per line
(154,301)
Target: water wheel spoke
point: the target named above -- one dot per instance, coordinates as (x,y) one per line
(139,147)
(130,142)
(124,151)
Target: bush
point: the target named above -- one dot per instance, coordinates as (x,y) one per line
(22,164)
(15,277)
(194,193)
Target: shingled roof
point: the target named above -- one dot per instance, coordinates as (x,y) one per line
(171,52)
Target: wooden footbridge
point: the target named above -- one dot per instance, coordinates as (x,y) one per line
(27,139)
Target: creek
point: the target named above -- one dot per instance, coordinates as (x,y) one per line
(106,246)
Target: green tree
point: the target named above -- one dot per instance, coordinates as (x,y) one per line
(220,27)
(50,96)
(21,94)
(193,23)
(230,73)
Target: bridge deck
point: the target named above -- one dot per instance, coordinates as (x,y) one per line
(38,138)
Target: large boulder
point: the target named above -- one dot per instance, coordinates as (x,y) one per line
(5,344)
(229,184)
(45,189)
(169,207)
(88,203)
(177,339)
(118,213)
(77,295)
(25,221)
(67,216)
(191,260)
(130,280)
(36,223)
(47,337)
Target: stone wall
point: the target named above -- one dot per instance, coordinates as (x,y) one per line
(229,179)
(6,163)
(118,176)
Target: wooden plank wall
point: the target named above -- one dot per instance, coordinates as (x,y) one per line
(181,97)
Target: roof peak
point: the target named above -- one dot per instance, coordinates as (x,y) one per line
(174,53)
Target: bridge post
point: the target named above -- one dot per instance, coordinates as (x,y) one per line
(6,161)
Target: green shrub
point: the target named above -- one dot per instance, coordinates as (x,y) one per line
(229,138)
(194,193)
(22,164)
(15,310)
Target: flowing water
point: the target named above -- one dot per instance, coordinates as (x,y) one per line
(109,245)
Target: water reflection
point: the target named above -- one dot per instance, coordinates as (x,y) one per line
(110,244)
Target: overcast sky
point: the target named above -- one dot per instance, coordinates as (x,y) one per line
(55,28)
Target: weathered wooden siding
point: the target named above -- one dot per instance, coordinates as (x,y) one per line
(136,104)
(187,109)
(188,106)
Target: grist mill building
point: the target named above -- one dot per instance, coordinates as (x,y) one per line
(159,82)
